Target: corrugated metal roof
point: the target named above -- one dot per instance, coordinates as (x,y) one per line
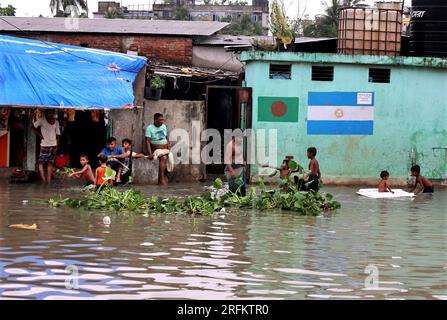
(131,26)
(225,40)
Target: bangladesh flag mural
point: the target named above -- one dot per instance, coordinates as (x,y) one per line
(278,109)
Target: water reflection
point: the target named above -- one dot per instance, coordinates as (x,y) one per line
(255,255)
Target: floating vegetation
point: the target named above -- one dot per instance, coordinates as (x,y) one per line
(287,198)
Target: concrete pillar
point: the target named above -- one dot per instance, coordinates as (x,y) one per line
(30,137)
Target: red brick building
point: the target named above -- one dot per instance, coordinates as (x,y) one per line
(169,42)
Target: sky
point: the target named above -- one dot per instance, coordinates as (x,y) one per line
(30,8)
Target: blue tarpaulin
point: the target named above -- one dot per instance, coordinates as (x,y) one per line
(37,73)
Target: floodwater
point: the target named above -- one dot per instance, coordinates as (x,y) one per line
(368,249)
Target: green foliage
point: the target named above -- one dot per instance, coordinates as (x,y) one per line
(287,198)
(8,11)
(325,25)
(157,83)
(218,184)
(181,13)
(279,26)
(113,13)
(243,26)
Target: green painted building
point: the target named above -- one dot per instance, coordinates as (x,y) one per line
(364,114)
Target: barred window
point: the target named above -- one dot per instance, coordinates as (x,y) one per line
(281,71)
(379,75)
(322,73)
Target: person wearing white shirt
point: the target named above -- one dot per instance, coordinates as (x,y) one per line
(48,130)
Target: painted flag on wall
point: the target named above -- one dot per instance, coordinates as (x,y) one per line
(340,113)
(278,109)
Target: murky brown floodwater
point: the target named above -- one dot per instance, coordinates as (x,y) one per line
(253,255)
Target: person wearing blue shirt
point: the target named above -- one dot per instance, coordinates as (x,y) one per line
(111,151)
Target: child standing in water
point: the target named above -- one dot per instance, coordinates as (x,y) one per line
(101,172)
(426,186)
(85,172)
(384,185)
(314,175)
(311,180)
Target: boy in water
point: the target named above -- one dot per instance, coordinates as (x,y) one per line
(284,169)
(384,185)
(426,186)
(101,172)
(123,171)
(85,172)
(313,177)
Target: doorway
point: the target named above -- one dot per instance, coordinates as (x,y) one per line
(86,135)
(228,107)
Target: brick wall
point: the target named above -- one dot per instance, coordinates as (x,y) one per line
(165,49)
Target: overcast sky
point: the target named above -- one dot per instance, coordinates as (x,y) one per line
(32,8)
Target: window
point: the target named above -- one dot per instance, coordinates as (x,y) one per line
(322,73)
(379,75)
(254,18)
(281,71)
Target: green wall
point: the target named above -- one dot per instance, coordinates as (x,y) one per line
(410,113)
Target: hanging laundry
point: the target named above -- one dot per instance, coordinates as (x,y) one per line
(95,116)
(71,115)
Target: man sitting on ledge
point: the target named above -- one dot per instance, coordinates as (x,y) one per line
(157,144)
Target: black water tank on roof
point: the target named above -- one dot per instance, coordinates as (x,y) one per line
(428,29)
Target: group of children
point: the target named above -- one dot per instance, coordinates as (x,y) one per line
(117,158)
(422,184)
(310,180)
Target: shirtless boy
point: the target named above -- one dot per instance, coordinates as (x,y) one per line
(314,175)
(85,172)
(425,185)
(384,185)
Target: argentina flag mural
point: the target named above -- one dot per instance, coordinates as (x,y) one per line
(340,113)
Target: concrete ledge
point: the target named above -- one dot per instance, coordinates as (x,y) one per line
(145,171)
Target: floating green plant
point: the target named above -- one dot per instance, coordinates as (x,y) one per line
(286,198)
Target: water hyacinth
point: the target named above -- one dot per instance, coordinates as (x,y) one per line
(287,198)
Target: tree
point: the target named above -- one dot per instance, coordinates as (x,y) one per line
(319,27)
(181,13)
(330,19)
(113,13)
(283,32)
(297,23)
(353,3)
(8,11)
(243,26)
(61,5)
